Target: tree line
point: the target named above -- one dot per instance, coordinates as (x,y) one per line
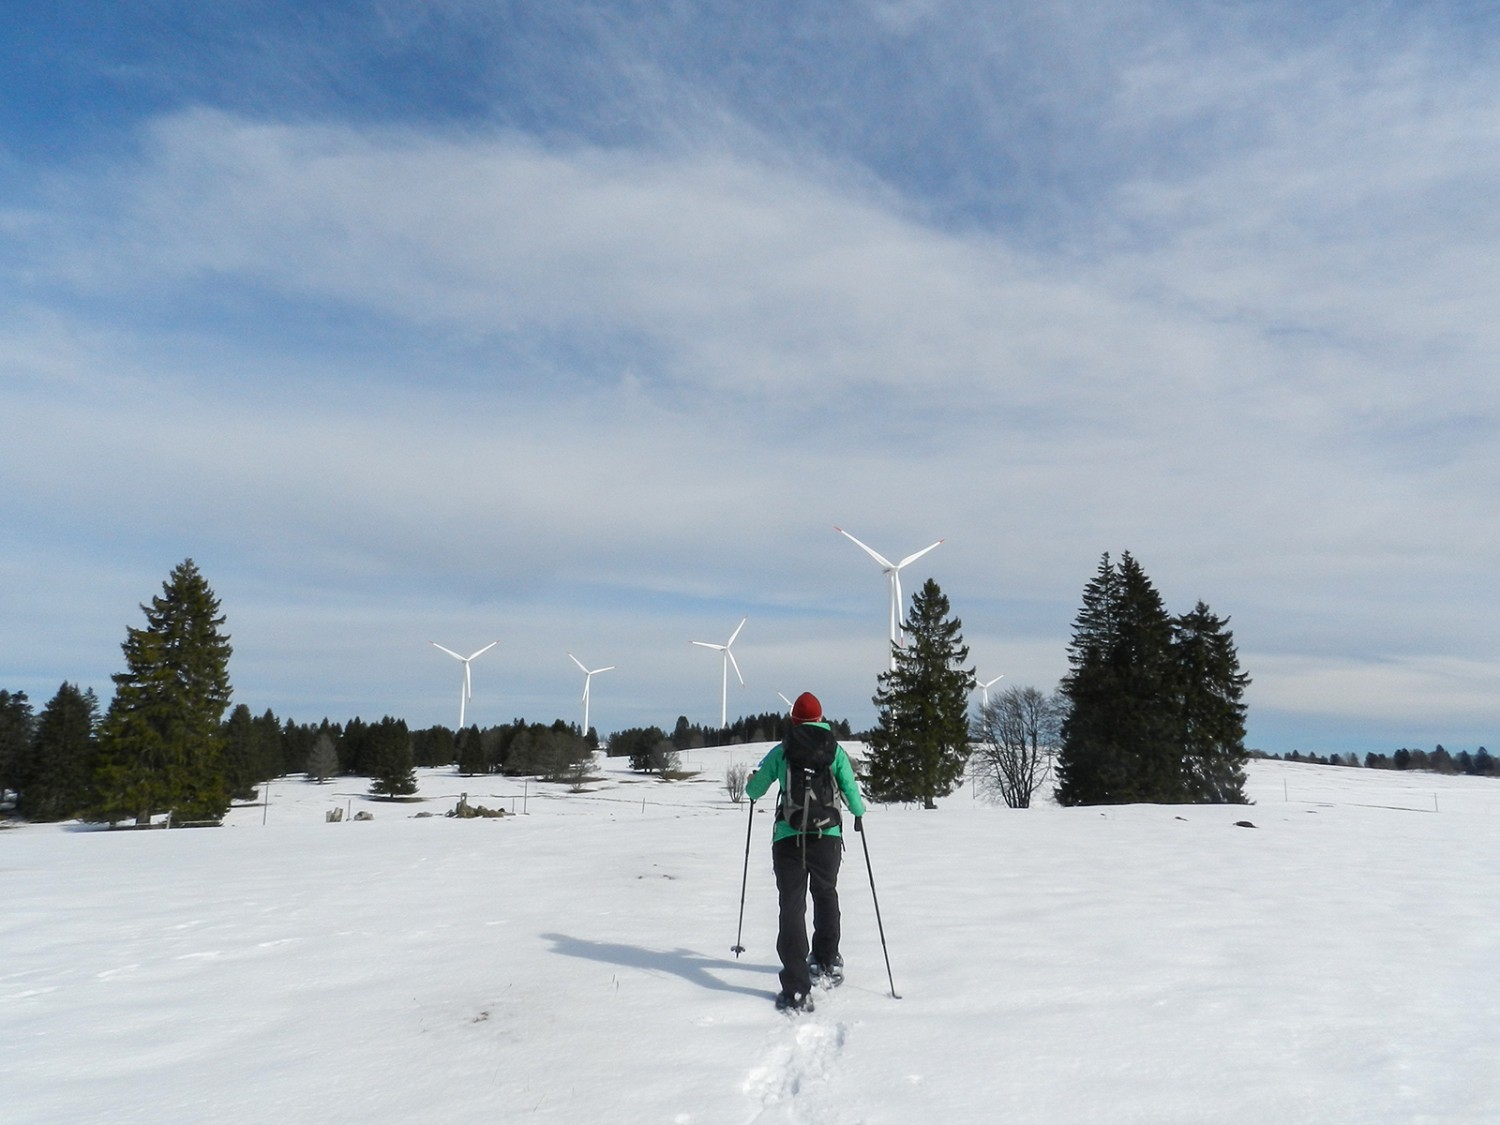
(1150,710)
(165,745)
(1481,763)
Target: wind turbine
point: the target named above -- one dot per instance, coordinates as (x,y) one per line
(985,686)
(467,691)
(728,660)
(893,571)
(588,676)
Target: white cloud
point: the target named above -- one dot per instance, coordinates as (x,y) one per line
(626,375)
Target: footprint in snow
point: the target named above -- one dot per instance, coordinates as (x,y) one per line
(799,1058)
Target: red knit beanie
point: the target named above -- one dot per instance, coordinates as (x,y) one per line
(807,709)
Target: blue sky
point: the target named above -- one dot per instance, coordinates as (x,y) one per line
(579,326)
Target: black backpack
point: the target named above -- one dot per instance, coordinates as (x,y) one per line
(809,800)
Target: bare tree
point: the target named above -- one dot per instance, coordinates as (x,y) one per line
(664,758)
(734,781)
(322,760)
(1017,734)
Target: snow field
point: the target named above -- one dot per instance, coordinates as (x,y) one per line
(1133,964)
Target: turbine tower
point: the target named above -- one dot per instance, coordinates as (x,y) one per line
(893,572)
(466,692)
(588,677)
(985,686)
(729,659)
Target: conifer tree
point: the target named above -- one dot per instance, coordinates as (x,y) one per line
(920,745)
(160,747)
(391,760)
(1118,737)
(62,756)
(1154,702)
(472,758)
(16,722)
(251,746)
(1211,717)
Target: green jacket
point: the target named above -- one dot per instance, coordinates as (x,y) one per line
(773,768)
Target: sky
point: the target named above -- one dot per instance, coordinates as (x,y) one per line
(579,327)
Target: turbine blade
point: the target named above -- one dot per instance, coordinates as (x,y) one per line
(485,649)
(596,671)
(874,554)
(468,682)
(730,653)
(736,632)
(919,554)
(710,644)
(449,651)
(578,662)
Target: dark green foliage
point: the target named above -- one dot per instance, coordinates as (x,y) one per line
(638,744)
(252,751)
(388,744)
(15,739)
(472,758)
(768,726)
(555,753)
(62,756)
(435,746)
(1154,712)
(1117,738)
(298,740)
(1210,713)
(920,744)
(160,746)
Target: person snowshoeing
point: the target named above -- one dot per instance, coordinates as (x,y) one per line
(812,770)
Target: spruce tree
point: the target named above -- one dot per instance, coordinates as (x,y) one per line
(1210,715)
(16,723)
(391,760)
(1118,737)
(471,755)
(241,753)
(160,747)
(920,745)
(62,756)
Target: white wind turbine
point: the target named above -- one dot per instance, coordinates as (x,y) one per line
(985,685)
(729,659)
(467,691)
(893,571)
(588,678)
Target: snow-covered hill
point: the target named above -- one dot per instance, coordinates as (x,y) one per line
(1337,962)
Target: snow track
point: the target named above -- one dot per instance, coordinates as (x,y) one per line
(792,1081)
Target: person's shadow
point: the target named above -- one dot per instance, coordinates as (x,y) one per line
(684,963)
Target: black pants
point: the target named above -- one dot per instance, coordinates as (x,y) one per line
(804,863)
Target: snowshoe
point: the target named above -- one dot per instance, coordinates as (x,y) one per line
(794,1002)
(827,976)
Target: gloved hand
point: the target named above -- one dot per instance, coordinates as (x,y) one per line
(859,824)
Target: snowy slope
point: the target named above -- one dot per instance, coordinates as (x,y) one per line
(1335,963)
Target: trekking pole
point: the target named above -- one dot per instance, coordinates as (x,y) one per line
(876,898)
(737,948)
